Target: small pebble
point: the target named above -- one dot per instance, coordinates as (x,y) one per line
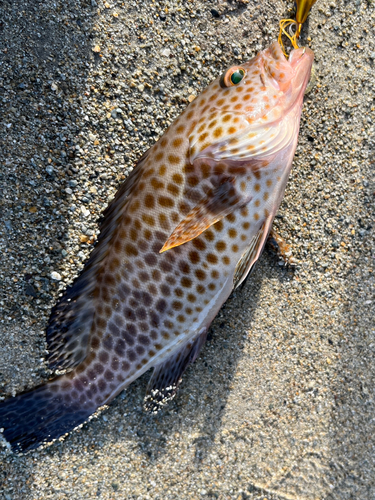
(85,212)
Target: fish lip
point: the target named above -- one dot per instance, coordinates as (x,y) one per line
(302,55)
(301,61)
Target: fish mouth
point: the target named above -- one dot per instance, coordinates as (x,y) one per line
(303,55)
(286,75)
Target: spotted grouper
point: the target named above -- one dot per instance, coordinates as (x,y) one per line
(183,231)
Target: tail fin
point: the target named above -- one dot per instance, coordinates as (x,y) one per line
(39,416)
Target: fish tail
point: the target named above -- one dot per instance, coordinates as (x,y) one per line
(40,416)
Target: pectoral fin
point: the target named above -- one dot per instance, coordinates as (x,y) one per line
(219,202)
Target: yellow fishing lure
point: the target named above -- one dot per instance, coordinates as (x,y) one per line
(287,25)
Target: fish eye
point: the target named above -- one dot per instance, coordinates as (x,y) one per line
(232,77)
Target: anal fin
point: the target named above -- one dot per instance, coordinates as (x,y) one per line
(167,376)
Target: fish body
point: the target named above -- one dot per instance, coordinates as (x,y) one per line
(185,228)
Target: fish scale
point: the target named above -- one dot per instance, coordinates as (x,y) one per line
(184,229)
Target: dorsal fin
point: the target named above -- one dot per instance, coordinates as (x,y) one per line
(69,326)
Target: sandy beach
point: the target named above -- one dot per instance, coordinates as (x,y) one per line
(280,404)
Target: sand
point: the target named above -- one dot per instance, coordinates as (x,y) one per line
(280,403)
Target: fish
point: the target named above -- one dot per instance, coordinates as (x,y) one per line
(184,230)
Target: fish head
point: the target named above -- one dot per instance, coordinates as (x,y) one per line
(242,113)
